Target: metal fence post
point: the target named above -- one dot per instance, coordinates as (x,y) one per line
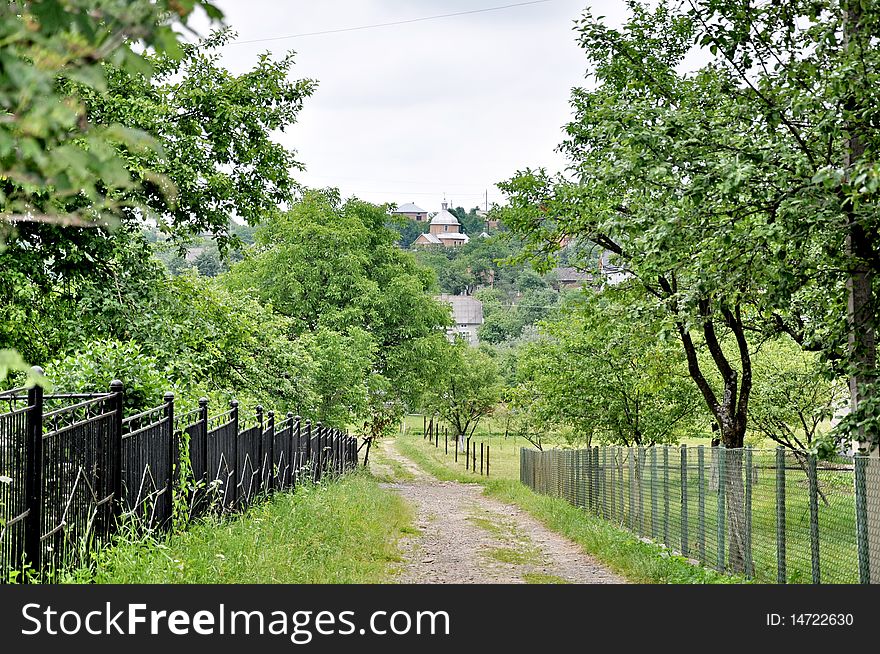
(309,449)
(203,418)
(632,490)
(781,575)
(319,450)
(654,492)
(487,460)
(747,536)
(604,482)
(860,464)
(34,474)
(613,487)
(293,454)
(640,473)
(666,495)
(173,452)
(474,458)
(814,519)
(701,503)
(233,405)
(588,453)
(620,503)
(270,428)
(685,546)
(594,455)
(118,390)
(722,520)
(481,458)
(260,452)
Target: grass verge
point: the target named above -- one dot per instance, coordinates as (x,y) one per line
(621,551)
(342,532)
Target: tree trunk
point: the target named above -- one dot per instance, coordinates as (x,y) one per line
(862,346)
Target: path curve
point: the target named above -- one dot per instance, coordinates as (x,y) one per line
(468,538)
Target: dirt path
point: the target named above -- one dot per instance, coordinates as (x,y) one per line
(467,538)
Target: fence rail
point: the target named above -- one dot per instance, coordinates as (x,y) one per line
(72,466)
(776,516)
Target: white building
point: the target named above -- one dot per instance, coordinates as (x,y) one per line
(467,312)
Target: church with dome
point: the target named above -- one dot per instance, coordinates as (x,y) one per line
(444,230)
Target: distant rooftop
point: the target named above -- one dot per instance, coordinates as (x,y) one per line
(466,310)
(443,217)
(409,207)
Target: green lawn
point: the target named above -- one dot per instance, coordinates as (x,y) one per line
(343,531)
(503,453)
(646,509)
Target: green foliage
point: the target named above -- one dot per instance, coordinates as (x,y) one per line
(601,370)
(59,164)
(408,229)
(94,366)
(334,271)
(467,389)
(471,223)
(216,132)
(795,398)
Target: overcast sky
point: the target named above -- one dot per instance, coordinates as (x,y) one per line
(413,112)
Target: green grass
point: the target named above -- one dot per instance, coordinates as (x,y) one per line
(395,470)
(620,550)
(345,532)
(837,532)
(503,452)
(638,561)
(542,578)
(514,555)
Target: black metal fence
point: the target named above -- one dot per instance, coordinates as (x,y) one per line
(776,516)
(72,466)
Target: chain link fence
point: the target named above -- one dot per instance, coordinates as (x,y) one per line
(775,516)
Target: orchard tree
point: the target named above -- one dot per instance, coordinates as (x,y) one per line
(467,391)
(601,369)
(669,178)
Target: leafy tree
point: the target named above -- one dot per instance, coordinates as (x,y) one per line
(59,165)
(467,391)
(601,370)
(807,72)
(330,266)
(471,222)
(409,230)
(795,398)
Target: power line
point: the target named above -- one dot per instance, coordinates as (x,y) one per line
(397,22)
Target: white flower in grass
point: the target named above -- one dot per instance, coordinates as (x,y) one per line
(5,479)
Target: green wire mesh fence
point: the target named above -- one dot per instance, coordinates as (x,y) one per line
(775,516)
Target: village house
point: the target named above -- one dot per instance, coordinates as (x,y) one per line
(467,312)
(444,230)
(411,211)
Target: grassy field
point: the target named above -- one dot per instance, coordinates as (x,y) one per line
(652,508)
(503,452)
(345,531)
(620,550)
